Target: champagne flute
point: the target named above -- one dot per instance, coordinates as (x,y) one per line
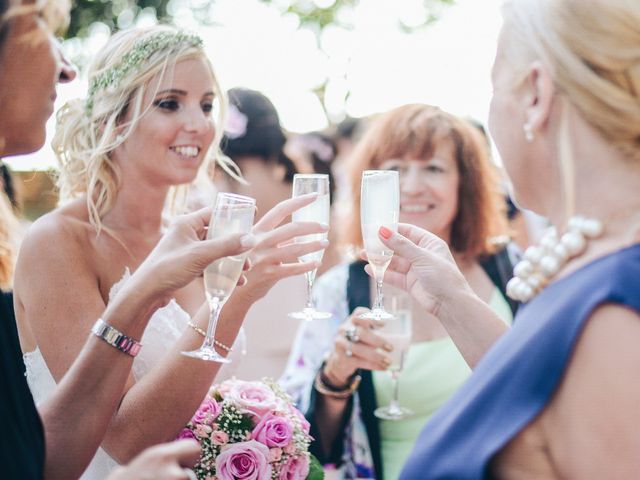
(318,211)
(232,214)
(397,332)
(379,206)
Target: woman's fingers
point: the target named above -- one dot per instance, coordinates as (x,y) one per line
(289,231)
(285,270)
(206,251)
(400,245)
(363,355)
(291,253)
(282,210)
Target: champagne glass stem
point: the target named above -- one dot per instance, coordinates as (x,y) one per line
(379,299)
(216,306)
(394,405)
(310,303)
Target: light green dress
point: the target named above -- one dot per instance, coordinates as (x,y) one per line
(432,372)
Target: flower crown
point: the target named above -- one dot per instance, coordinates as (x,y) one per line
(139,53)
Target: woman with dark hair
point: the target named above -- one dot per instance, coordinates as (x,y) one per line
(448,186)
(255,140)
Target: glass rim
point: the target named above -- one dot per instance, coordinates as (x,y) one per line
(234,196)
(310,175)
(378,172)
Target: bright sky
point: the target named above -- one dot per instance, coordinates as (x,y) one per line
(253,46)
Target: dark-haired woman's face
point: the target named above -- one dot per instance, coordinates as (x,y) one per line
(429,189)
(31,65)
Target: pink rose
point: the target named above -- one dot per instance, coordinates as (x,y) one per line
(275,454)
(203,431)
(186,433)
(243,461)
(207,412)
(219,437)
(295,468)
(290,449)
(273,430)
(253,397)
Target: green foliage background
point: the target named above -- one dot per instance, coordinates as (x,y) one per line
(118,12)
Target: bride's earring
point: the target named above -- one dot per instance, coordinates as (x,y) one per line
(119,138)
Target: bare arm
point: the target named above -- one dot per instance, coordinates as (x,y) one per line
(56,301)
(173,389)
(62,302)
(367,353)
(591,425)
(423,265)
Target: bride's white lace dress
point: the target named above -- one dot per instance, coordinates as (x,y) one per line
(164,328)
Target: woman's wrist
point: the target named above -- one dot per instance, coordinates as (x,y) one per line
(132,307)
(336,379)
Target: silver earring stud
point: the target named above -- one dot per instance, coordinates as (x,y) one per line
(119,138)
(528,133)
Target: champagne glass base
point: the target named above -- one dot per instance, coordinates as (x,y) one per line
(377,314)
(310,314)
(392,413)
(207,354)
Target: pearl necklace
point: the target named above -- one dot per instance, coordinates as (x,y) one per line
(541,263)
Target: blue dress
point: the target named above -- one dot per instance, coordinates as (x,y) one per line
(517,377)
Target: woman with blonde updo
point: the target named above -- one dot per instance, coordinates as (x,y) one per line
(147,128)
(556,396)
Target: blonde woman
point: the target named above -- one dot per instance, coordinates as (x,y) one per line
(59,439)
(146,127)
(557,396)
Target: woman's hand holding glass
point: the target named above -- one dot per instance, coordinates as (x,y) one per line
(356,346)
(182,255)
(422,265)
(275,255)
(232,213)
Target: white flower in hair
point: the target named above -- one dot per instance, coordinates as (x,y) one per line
(236,123)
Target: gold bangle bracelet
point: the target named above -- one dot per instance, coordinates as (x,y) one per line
(204,334)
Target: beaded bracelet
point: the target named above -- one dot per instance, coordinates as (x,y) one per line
(116,338)
(204,334)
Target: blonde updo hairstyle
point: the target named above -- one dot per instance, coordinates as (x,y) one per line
(85,135)
(592,48)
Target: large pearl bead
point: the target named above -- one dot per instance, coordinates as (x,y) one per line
(533,254)
(535,281)
(592,228)
(523,269)
(561,252)
(549,241)
(512,288)
(526,292)
(549,265)
(574,242)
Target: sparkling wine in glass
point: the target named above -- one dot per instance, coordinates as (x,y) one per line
(318,211)
(379,206)
(232,214)
(396,331)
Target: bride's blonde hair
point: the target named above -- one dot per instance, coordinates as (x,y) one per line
(88,130)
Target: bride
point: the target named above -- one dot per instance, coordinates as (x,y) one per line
(146,127)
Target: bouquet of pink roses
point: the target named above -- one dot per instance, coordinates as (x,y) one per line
(251,431)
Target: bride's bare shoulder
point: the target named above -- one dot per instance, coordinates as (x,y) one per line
(62,233)
(67,223)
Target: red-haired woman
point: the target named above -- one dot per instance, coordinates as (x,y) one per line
(449,187)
